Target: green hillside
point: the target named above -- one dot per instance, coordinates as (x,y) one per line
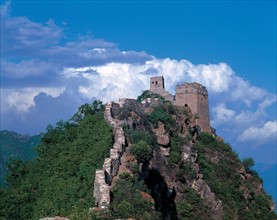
(59,180)
(16,146)
(190,175)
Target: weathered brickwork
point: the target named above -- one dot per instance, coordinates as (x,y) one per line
(193,95)
(104,177)
(157,86)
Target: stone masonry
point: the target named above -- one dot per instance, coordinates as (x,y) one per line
(104,177)
(157,86)
(193,95)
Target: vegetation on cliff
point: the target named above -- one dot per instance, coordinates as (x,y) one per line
(192,175)
(241,192)
(59,181)
(231,181)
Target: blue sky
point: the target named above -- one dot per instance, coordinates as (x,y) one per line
(57,55)
(200,31)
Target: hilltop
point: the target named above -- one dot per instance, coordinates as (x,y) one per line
(148,158)
(187,173)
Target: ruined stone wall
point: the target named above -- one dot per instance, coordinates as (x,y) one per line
(157,86)
(104,177)
(195,96)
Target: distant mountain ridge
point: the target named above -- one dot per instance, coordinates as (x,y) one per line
(16,146)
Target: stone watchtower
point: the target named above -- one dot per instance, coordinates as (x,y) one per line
(195,96)
(157,84)
(192,95)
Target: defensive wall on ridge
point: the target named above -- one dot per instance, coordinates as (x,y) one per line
(193,95)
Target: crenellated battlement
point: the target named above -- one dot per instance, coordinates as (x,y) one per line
(192,88)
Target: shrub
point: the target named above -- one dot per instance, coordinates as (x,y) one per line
(141,151)
(206,138)
(192,206)
(127,200)
(174,157)
(125,210)
(248,164)
(147,94)
(176,144)
(137,136)
(159,114)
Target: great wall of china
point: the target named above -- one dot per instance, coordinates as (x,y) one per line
(192,95)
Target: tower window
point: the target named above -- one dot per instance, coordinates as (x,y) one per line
(152,82)
(156,82)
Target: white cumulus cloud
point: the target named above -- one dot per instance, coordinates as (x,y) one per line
(22,99)
(267,131)
(40,75)
(222,115)
(235,104)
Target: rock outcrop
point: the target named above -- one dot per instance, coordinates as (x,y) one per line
(192,95)
(162,135)
(178,163)
(115,115)
(199,185)
(128,112)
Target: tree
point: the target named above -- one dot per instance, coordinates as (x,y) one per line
(97,106)
(87,109)
(141,151)
(248,164)
(58,180)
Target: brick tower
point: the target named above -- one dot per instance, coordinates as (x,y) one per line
(157,84)
(195,96)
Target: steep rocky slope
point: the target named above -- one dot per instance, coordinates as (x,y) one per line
(144,159)
(188,174)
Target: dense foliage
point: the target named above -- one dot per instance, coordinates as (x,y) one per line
(142,151)
(218,164)
(162,114)
(128,200)
(248,163)
(176,143)
(192,207)
(59,181)
(224,180)
(148,94)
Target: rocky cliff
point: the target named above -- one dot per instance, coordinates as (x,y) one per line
(188,174)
